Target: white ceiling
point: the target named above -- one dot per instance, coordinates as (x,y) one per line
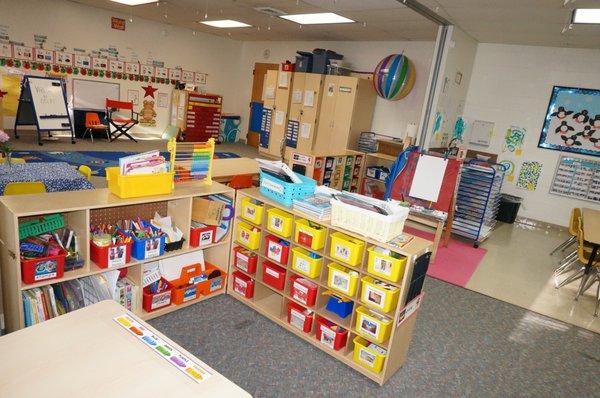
(531,22)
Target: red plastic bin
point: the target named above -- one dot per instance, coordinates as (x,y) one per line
(243,284)
(330,334)
(299,317)
(110,256)
(203,236)
(152,302)
(276,250)
(273,275)
(44,268)
(303,290)
(245,259)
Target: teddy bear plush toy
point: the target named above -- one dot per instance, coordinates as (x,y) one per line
(147,114)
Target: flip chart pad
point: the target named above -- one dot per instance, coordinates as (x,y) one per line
(428,178)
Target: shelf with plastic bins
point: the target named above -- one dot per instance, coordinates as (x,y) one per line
(173,307)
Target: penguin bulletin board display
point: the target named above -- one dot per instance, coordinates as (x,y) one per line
(572,121)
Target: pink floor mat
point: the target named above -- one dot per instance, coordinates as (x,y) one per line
(454,264)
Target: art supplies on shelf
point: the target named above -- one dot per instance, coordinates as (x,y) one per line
(148,241)
(174,239)
(110,245)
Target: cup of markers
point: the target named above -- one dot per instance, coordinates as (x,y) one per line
(110,246)
(148,241)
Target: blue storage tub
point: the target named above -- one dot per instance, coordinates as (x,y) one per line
(143,249)
(339,307)
(285,192)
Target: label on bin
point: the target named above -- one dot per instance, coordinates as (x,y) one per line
(277,223)
(369,327)
(45,270)
(340,281)
(302,265)
(189,293)
(382,266)
(240,286)
(116,255)
(273,186)
(342,252)
(366,357)
(249,212)
(374,296)
(305,238)
(327,336)
(300,293)
(297,319)
(160,300)
(152,248)
(275,251)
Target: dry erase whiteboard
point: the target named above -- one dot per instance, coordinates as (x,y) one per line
(90,94)
(428,178)
(48,99)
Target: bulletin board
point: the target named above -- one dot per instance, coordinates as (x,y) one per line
(577,178)
(90,94)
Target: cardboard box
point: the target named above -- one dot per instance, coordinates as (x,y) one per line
(209,212)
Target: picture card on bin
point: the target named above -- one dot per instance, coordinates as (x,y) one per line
(209,212)
(170,268)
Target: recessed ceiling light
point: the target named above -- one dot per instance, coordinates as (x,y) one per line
(226,23)
(586,15)
(134,2)
(315,19)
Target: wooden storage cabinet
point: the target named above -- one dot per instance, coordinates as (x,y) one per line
(273,303)
(84,208)
(276,100)
(305,105)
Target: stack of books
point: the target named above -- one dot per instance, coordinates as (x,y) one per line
(317,206)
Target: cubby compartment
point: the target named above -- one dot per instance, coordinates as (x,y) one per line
(251,210)
(369,355)
(245,259)
(243,284)
(346,248)
(306,262)
(378,294)
(330,334)
(386,264)
(342,279)
(202,236)
(300,317)
(373,326)
(248,236)
(279,222)
(273,275)
(310,234)
(303,290)
(277,249)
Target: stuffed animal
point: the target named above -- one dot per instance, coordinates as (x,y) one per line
(147,114)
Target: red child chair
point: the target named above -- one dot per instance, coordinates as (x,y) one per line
(93,123)
(122,124)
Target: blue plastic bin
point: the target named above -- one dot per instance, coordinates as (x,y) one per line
(146,248)
(339,307)
(285,192)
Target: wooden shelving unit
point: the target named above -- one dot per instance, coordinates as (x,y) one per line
(81,209)
(272,303)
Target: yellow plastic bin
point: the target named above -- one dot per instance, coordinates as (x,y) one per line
(303,263)
(280,222)
(251,211)
(373,326)
(342,279)
(135,186)
(310,234)
(248,236)
(378,295)
(369,355)
(386,267)
(347,249)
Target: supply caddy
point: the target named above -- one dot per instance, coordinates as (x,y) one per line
(318,281)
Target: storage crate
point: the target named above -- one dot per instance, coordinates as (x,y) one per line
(248,236)
(135,186)
(110,256)
(380,227)
(330,334)
(152,302)
(303,290)
(203,236)
(251,211)
(277,249)
(280,222)
(342,279)
(149,247)
(245,259)
(339,306)
(273,275)
(310,234)
(346,248)
(306,262)
(384,266)
(243,284)
(369,355)
(214,282)
(373,326)
(285,192)
(378,295)
(41,226)
(299,317)
(44,268)
(187,287)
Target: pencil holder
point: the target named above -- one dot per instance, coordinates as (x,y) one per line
(154,301)
(110,256)
(143,249)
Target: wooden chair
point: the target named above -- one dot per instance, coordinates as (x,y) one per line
(24,188)
(122,124)
(13,161)
(578,264)
(93,123)
(86,171)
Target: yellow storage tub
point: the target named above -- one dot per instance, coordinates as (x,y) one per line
(280,222)
(342,279)
(303,263)
(310,234)
(373,326)
(248,236)
(251,211)
(369,355)
(384,266)
(346,249)
(135,186)
(378,295)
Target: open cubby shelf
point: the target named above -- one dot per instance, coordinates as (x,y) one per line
(272,302)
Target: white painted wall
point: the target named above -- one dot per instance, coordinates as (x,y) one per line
(391,117)
(511,85)
(86,27)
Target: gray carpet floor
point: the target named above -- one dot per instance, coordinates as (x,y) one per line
(464,344)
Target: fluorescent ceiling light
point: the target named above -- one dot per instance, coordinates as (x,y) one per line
(586,15)
(226,23)
(134,2)
(315,19)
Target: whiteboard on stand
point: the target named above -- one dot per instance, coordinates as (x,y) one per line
(48,98)
(428,178)
(92,95)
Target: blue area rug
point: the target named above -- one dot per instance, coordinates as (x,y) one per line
(96,160)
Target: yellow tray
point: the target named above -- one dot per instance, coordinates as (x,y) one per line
(309,236)
(342,279)
(135,186)
(251,212)
(247,237)
(371,326)
(346,249)
(385,267)
(280,222)
(304,264)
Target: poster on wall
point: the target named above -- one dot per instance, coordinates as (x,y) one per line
(64,59)
(115,65)
(529,175)
(187,76)
(481,132)
(133,96)
(100,63)
(161,73)
(45,56)
(133,68)
(175,74)
(577,178)
(162,100)
(22,52)
(5,50)
(572,122)
(199,78)
(514,138)
(147,70)
(509,169)
(83,61)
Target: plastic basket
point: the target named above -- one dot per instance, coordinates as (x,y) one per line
(251,211)
(342,279)
(386,267)
(280,222)
(372,326)
(377,295)
(380,227)
(308,235)
(135,186)
(346,248)
(304,264)
(285,192)
(367,356)
(41,226)
(248,236)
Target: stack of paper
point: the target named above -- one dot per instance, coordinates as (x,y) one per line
(318,205)
(143,163)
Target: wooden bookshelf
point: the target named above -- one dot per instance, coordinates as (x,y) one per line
(79,208)
(272,303)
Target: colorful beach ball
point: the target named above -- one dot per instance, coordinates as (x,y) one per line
(394,77)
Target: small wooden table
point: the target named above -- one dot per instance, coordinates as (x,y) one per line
(591,234)
(86,353)
(432,222)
